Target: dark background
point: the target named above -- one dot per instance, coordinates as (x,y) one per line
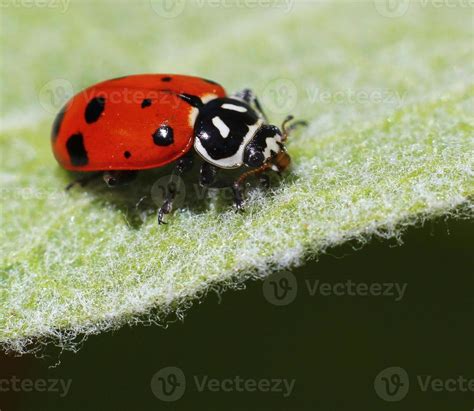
(333,346)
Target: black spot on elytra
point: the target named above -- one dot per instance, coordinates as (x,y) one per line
(94,109)
(166,79)
(146,102)
(127,154)
(57,123)
(163,136)
(76,150)
(210,81)
(194,101)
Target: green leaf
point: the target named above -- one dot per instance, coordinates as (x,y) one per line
(390,143)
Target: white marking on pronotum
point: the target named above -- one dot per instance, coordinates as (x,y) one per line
(192,116)
(271,145)
(234,107)
(206,98)
(234,161)
(221,126)
(194,111)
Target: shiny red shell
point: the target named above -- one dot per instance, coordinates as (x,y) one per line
(111,125)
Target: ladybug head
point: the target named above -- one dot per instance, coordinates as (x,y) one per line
(267,147)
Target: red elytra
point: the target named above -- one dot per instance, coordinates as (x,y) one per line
(129,123)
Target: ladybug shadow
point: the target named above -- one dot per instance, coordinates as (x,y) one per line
(140,199)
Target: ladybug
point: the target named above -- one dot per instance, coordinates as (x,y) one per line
(137,122)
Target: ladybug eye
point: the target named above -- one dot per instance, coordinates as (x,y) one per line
(255,159)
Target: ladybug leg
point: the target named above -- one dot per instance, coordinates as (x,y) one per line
(184,164)
(207,174)
(238,186)
(83,181)
(249,97)
(238,196)
(264,181)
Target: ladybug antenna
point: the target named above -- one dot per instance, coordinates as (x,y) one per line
(285,130)
(256,171)
(288,129)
